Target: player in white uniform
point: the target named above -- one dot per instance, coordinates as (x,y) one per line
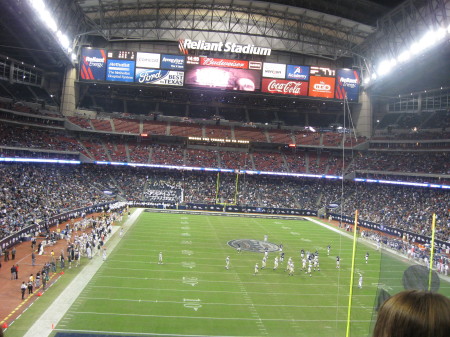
(328,249)
(160,258)
(291,269)
(288,263)
(309,270)
(227,263)
(360,281)
(264,262)
(275,263)
(316,263)
(304,264)
(256,269)
(302,254)
(338,262)
(367,257)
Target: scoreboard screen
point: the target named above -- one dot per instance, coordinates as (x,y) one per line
(145,68)
(122,55)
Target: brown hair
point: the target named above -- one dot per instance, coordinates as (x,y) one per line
(414,313)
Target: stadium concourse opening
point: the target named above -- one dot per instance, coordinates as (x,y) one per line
(220,169)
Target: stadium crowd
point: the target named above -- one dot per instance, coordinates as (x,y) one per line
(29,193)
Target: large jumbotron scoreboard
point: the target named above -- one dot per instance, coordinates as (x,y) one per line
(191,71)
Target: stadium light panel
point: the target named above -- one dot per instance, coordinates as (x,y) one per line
(415,48)
(440,34)
(37,4)
(404,57)
(63,40)
(385,67)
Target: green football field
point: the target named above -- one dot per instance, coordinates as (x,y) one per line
(192,293)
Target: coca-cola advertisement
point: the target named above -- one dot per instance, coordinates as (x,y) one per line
(223,63)
(284,87)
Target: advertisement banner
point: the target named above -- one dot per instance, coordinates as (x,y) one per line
(274,70)
(347,83)
(284,87)
(298,73)
(321,86)
(159,77)
(223,78)
(93,64)
(172,62)
(223,63)
(120,71)
(256,65)
(322,71)
(121,55)
(148,60)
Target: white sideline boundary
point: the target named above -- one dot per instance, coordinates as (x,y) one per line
(51,317)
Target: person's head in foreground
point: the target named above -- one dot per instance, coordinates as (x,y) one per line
(414,313)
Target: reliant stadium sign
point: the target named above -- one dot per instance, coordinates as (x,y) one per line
(228,47)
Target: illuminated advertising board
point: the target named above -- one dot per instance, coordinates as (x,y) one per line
(159,77)
(148,60)
(120,71)
(223,63)
(321,86)
(256,65)
(223,78)
(322,71)
(298,73)
(93,64)
(347,83)
(274,70)
(284,87)
(172,62)
(221,46)
(122,55)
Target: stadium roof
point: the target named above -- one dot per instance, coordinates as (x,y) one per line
(329,28)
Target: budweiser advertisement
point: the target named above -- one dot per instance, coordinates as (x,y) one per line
(321,86)
(223,63)
(284,87)
(347,84)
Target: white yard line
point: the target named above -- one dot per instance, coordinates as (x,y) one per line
(43,325)
(92,313)
(144,333)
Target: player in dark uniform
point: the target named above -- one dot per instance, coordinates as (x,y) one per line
(338,262)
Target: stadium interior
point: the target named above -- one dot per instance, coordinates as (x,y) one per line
(366,128)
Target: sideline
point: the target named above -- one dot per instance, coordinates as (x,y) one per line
(366,242)
(49,319)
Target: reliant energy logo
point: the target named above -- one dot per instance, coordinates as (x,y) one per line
(228,47)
